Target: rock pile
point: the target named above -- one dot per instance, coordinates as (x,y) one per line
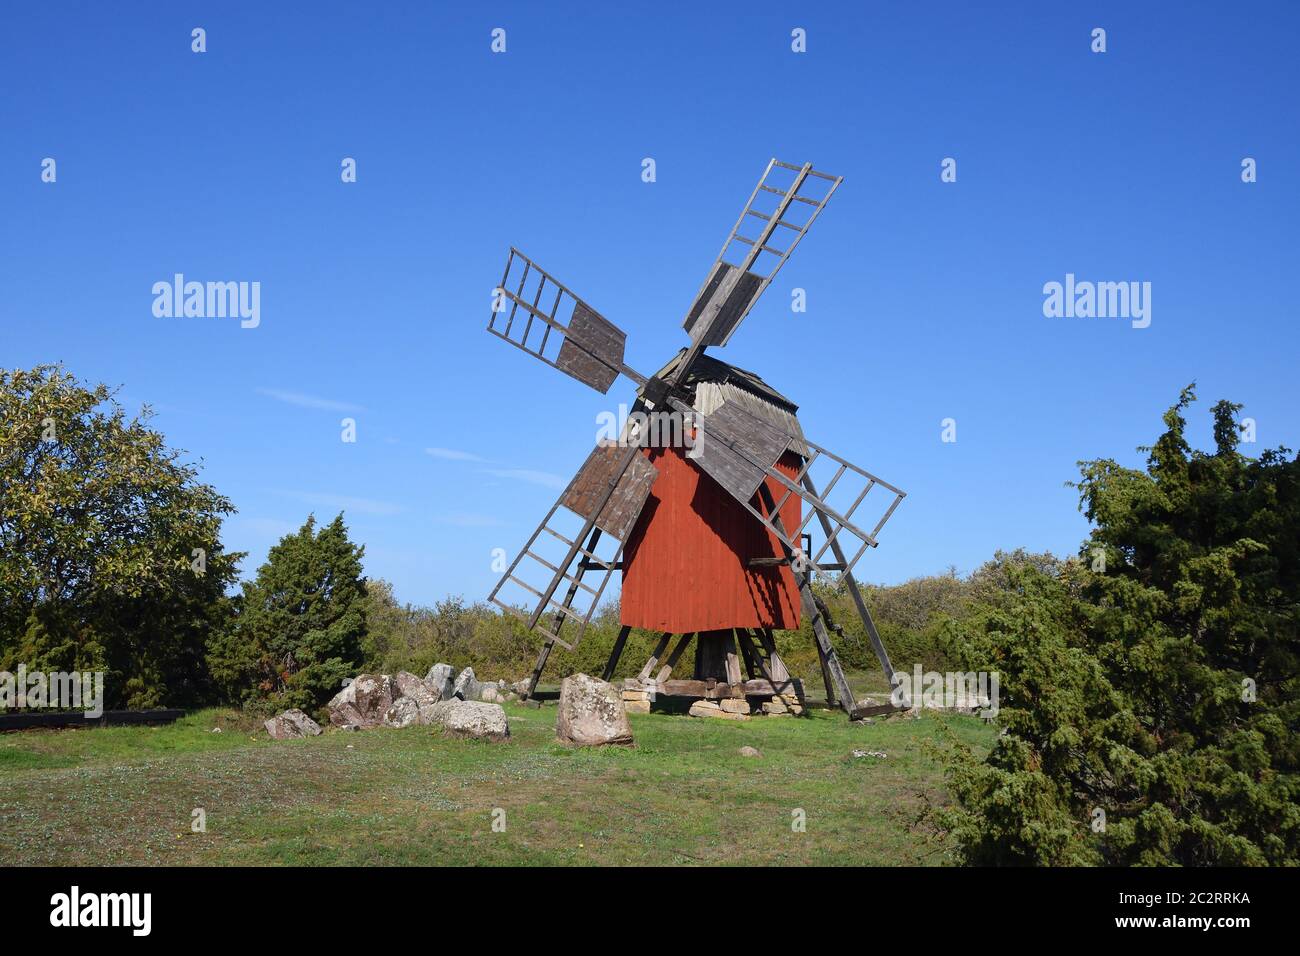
(783,704)
(729,708)
(461,704)
(637,698)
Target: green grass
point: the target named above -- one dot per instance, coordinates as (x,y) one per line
(683,795)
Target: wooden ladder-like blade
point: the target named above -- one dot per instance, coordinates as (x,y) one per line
(740,452)
(526,310)
(607,494)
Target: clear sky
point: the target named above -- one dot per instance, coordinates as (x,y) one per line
(925,298)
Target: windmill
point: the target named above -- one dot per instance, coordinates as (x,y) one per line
(708,525)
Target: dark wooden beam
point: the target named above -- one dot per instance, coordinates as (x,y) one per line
(616,653)
(667,669)
(545,653)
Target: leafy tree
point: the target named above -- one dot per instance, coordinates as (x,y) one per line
(110,553)
(1150,690)
(299,625)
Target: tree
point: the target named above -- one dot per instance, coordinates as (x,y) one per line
(298,627)
(110,552)
(1151,690)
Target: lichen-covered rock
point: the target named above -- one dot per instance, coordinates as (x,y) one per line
(591,713)
(491,694)
(290,724)
(441,681)
(363,702)
(467,686)
(471,718)
(405,712)
(408,685)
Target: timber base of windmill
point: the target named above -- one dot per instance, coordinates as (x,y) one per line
(719,687)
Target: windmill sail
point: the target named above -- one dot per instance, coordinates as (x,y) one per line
(740,452)
(747,264)
(607,494)
(526,310)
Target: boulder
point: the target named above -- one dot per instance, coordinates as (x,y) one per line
(363,702)
(520,687)
(343,707)
(408,685)
(471,718)
(750,752)
(592,713)
(441,681)
(292,723)
(467,686)
(491,694)
(405,712)
(734,705)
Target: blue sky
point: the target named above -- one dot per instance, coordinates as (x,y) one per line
(924,298)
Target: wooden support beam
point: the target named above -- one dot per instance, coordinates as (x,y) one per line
(776,666)
(616,653)
(654,656)
(667,669)
(826,675)
(545,653)
(832,670)
(731,659)
(753,660)
(716,690)
(542,656)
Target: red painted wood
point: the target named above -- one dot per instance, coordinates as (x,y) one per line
(685,561)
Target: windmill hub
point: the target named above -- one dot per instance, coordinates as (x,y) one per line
(713,540)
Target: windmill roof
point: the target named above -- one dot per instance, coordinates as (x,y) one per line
(709,369)
(716,382)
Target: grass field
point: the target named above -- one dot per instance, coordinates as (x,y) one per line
(684,795)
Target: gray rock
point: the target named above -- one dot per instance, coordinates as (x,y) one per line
(405,712)
(750,752)
(290,724)
(467,686)
(363,702)
(520,687)
(592,713)
(491,694)
(471,718)
(441,681)
(408,685)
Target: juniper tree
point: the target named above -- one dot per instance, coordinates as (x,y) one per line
(1151,689)
(299,624)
